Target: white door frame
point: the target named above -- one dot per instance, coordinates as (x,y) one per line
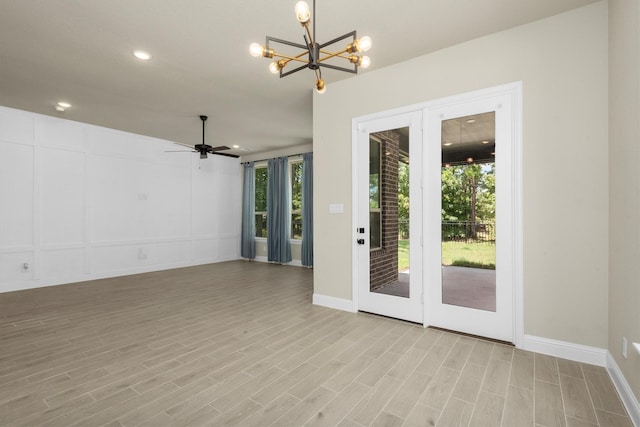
(513,90)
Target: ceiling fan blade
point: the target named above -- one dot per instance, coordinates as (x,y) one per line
(225,154)
(180,151)
(184,145)
(220,148)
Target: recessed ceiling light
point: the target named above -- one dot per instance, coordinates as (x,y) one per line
(471,121)
(141,54)
(61,106)
(446,144)
(235,146)
(485,142)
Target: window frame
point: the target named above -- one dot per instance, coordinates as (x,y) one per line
(294,161)
(257,212)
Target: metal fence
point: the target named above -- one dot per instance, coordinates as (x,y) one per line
(458,231)
(469,232)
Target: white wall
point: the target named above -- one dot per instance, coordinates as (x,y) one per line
(562,63)
(79,202)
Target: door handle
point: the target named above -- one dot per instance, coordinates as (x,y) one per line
(360,241)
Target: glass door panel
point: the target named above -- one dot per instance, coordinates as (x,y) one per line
(389,196)
(469,211)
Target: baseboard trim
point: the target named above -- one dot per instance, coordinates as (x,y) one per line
(66,280)
(294,263)
(566,350)
(624,389)
(333,302)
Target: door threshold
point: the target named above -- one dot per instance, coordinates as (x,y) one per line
(388,317)
(464,334)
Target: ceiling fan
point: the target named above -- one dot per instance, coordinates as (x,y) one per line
(205,149)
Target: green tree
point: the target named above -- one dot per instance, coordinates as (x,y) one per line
(403,199)
(261,201)
(261,189)
(296,200)
(468,193)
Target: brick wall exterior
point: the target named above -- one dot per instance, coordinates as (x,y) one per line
(383,267)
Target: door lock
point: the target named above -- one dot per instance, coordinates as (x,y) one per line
(360,241)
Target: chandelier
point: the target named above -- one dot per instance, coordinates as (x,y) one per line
(314,56)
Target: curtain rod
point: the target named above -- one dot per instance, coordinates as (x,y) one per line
(264,160)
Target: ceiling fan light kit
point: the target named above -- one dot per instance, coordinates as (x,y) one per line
(314,55)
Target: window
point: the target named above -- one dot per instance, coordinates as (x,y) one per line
(296,200)
(375,211)
(295,174)
(261,201)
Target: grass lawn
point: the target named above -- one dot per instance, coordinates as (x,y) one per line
(478,255)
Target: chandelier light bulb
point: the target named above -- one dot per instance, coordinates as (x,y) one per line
(303,13)
(365,61)
(255,50)
(364,43)
(321,86)
(274,68)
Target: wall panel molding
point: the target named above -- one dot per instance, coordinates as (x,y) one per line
(92,202)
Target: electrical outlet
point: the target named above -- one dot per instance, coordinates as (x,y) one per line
(25,267)
(624,347)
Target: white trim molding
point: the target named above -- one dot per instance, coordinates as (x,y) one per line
(294,262)
(624,390)
(565,350)
(333,302)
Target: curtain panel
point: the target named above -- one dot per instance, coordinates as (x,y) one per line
(278,211)
(248,233)
(307,209)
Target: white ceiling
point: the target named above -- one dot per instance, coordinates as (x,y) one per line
(80,51)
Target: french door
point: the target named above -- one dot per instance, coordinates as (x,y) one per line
(470,248)
(388,217)
(437,214)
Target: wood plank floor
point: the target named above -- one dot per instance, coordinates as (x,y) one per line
(239,343)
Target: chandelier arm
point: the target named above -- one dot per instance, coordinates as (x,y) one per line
(288,43)
(337,39)
(335,67)
(331,55)
(311,38)
(295,70)
(291,58)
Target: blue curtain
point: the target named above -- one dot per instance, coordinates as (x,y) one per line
(307,210)
(278,211)
(248,235)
